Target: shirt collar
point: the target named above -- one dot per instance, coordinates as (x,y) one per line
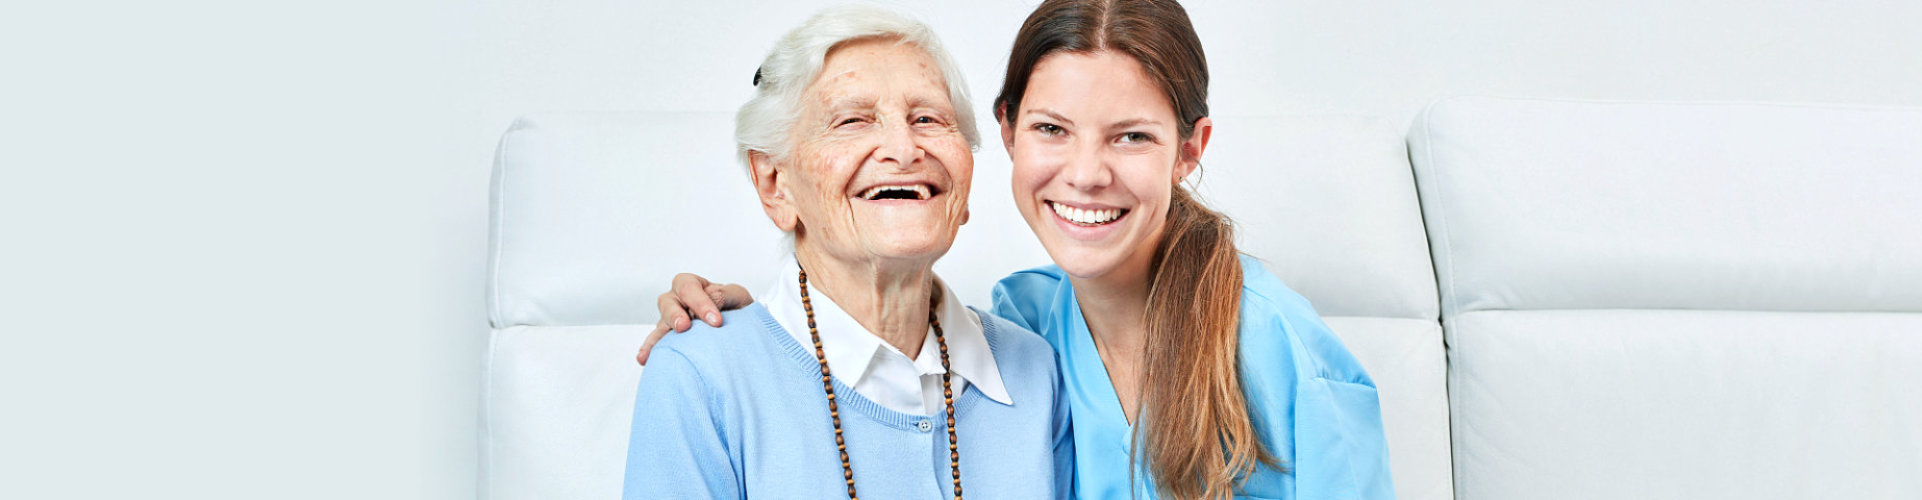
(851,349)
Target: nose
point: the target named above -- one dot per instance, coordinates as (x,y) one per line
(898,145)
(1088,170)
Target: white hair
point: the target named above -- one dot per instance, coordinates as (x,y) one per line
(763,124)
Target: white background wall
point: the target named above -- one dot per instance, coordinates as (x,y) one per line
(242,245)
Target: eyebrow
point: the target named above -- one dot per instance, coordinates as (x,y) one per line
(1133,122)
(918,102)
(856,102)
(1128,123)
(1050,114)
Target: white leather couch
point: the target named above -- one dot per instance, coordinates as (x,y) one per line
(1557,299)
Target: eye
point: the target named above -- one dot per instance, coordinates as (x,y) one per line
(1049,129)
(847,120)
(1137,138)
(925,119)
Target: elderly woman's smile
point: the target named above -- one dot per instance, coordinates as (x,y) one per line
(880,168)
(915,192)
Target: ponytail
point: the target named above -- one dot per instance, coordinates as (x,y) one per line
(1200,438)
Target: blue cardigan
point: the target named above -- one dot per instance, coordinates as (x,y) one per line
(1314,406)
(738,412)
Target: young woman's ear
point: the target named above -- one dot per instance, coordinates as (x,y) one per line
(771,185)
(1192,148)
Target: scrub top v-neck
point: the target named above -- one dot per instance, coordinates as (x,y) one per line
(1314,407)
(1100,425)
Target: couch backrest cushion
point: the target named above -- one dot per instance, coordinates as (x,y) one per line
(594,212)
(1329,202)
(1535,204)
(1667,300)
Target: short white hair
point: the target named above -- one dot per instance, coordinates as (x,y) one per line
(764,123)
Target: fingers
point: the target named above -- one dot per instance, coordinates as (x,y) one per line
(734,297)
(673,314)
(647,346)
(691,293)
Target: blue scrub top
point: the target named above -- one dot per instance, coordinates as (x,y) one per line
(1314,406)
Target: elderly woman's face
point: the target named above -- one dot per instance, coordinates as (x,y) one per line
(878,167)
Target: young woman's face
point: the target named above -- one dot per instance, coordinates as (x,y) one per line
(1096,153)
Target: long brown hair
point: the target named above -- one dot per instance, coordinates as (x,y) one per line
(1200,440)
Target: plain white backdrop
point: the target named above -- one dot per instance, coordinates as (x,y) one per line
(242,245)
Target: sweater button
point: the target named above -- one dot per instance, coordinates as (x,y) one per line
(924,425)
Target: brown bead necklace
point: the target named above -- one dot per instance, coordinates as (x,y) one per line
(834,410)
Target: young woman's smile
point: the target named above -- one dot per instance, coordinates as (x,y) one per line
(1096,153)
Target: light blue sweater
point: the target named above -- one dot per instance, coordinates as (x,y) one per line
(738,412)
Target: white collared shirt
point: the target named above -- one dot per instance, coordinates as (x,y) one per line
(876,369)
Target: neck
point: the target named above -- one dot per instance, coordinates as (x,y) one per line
(1115,306)
(889,299)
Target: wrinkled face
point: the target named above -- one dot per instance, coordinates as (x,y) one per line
(1096,152)
(878,167)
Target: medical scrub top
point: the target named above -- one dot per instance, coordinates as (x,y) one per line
(1314,407)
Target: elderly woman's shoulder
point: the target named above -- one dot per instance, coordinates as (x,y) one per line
(743,333)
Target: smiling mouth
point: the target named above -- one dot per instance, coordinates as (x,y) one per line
(1085,217)
(916,192)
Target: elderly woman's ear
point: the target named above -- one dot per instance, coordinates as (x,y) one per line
(768,185)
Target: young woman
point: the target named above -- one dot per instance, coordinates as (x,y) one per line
(1190,370)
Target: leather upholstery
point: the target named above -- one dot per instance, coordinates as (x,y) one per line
(1678,300)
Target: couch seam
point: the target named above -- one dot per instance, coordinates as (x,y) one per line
(487,416)
(1441,227)
(494,237)
(1441,215)
(495,319)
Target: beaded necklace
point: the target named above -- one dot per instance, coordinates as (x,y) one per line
(834,409)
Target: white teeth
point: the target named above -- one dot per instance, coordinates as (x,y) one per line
(920,191)
(1082,216)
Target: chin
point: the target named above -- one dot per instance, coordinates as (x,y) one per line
(1084,263)
(922,246)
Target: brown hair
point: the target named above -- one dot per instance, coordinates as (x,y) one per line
(1200,440)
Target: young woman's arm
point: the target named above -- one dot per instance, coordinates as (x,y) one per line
(687,296)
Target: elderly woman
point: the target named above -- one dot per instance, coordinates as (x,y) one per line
(857,372)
